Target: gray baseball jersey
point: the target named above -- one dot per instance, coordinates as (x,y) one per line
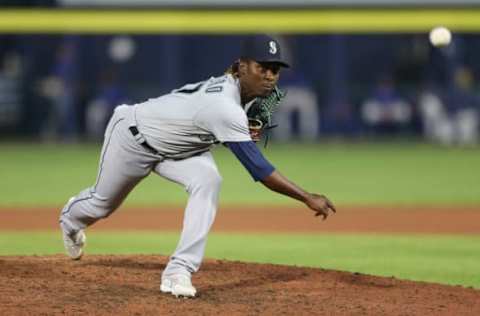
(183,126)
(193,118)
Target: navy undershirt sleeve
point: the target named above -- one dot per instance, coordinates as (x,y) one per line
(252,159)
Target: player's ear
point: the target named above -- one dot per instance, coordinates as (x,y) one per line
(242,67)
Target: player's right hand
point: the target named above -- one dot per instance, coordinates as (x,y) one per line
(320,204)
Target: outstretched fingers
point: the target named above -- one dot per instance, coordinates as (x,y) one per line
(321,205)
(323,213)
(330,205)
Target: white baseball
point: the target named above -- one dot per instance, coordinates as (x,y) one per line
(440,36)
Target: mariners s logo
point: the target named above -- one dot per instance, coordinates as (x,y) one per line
(273,47)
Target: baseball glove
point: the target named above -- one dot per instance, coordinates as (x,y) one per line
(260,114)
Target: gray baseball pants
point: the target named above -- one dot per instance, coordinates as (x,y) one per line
(123,164)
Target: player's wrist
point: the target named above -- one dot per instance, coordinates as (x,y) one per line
(305,197)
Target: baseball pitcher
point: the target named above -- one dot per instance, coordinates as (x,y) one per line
(172,136)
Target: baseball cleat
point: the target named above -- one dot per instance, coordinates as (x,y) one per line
(74,244)
(178,285)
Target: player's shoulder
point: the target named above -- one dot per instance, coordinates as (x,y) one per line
(220,100)
(224,88)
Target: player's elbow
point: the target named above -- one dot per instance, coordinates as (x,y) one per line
(264,174)
(268,179)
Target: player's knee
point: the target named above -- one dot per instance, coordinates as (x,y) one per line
(216,179)
(212,178)
(207,179)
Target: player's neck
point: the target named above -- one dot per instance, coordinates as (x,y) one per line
(245,98)
(245,95)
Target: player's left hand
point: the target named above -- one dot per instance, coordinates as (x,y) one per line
(260,113)
(321,205)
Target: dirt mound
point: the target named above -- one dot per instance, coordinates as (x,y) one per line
(124,285)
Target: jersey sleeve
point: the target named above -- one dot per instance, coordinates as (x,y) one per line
(226,121)
(252,159)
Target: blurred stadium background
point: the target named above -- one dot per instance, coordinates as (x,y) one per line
(361,69)
(377,115)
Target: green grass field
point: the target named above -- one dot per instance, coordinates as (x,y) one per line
(354,174)
(411,174)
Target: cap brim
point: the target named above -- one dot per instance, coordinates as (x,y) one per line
(281,63)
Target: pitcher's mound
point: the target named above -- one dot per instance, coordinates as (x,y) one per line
(129,285)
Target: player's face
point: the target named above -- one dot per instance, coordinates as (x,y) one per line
(260,78)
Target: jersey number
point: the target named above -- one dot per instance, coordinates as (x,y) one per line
(190,90)
(214,89)
(193,89)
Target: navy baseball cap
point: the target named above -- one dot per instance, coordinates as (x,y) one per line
(263,48)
